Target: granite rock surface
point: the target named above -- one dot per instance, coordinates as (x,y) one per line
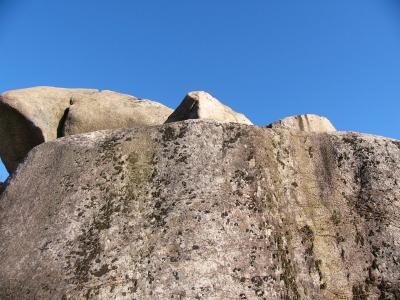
(111,110)
(308,123)
(201,105)
(203,210)
(29,117)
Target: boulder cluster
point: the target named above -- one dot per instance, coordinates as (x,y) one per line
(31,116)
(114,197)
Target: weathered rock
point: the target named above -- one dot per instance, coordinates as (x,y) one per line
(29,117)
(201,105)
(205,210)
(308,123)
(110,110)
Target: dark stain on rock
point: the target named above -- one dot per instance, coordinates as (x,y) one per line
(307,239)
(103,270)
(89,249)
(359,293)
(288,271)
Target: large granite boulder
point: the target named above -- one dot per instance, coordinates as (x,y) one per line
(204,210)
(308,123)
(29,117)
(109,110)
(201,105)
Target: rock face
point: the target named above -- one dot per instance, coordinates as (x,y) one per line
(204,210)
(29,117)
(308,123)
(109,110)
(201,105)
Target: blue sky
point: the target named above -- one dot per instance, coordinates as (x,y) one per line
(265,58)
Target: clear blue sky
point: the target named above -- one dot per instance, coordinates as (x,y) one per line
(265,58)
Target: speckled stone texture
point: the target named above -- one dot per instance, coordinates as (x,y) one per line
(203,210)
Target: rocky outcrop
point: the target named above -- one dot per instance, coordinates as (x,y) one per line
(110,110)
(204,210)
(29,117)
(308,123)
(201,105)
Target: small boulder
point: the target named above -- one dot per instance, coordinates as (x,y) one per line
(308,123)
(110,110)
(201,105)
(29,117)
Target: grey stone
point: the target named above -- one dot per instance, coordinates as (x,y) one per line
(111,110)
(308,123)
(203,209)
(201,105)
(29,117)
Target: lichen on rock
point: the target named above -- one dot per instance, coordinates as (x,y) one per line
(202,209)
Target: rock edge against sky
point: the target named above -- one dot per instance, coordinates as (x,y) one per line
(202,209)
